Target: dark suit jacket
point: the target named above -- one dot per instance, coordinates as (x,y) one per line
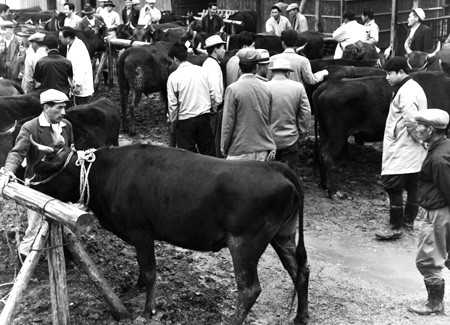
(134,16)
(11,71)
(212,26)
(422,39)
(23,147)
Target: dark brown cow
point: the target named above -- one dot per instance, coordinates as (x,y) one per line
(144,193)
(10,88)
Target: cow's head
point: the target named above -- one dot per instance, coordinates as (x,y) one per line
(418,60)
(143,33)
(360,51)
(125,31)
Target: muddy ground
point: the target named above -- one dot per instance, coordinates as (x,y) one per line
(354,278)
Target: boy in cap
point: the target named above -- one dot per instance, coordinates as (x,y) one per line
(48,128)
(403,153)
(248,103)
(149,14)
(420,36)
(434,196)
(263,65)
(36,41)
(297,20)
(277,23)
(291,112)
(215,47)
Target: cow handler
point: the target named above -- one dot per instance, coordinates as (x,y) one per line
(403,154)
(48,128)
(434,196)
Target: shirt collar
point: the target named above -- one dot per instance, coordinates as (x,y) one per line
(289,50)
(43,122)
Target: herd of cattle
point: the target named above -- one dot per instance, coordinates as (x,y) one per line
(136,191)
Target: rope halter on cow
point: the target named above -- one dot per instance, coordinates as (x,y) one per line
(85,156)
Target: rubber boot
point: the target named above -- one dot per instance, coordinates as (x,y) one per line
(435,303)
(411,211)
(393,230)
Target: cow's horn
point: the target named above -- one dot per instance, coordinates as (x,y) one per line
(40,21)
(438,48)
(407,48)
(132,27)
(40,147)
(301,48)
(11,130)
(146,25)
(29,21)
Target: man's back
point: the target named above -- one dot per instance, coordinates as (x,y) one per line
(53,72)
(301,66)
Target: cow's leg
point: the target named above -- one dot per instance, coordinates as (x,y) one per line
(124,97)
(295,262)
(147,265)
(329,149)
(134,103)
(245,260)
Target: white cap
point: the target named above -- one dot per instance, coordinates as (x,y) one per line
(37,37)
(136,2)
(265,56)
(419,12)
(150,1)
(53,95)
(292,6)
(281,64)
(213,40)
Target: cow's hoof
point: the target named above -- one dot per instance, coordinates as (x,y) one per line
(303,320)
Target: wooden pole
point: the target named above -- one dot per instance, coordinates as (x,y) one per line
(64,213)
(118,310)
(302,6)
(317,16)
(24,275)
(57,274)
(259,15)
(100,68)
(127,43)
(393,26)
(110,67)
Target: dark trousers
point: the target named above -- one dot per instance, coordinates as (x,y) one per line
(395,184)
(216,127)
(288,155)
(195,133)
(82,100)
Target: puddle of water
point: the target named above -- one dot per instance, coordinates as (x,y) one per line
(380,263)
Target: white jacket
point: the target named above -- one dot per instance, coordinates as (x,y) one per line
(347,34)
(83,79)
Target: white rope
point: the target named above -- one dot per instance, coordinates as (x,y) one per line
(85,156)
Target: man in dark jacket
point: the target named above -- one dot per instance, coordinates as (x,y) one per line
(420,37)
(434,196)
(130,14)
(212,22)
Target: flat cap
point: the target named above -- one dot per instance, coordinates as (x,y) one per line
(281,64)
(265,56)
(434,117)
(396,64)
(248,55)
(36,37)
(292,6)
(5,24)
(213,41)
(150,1)
(53,95)
(136,2)
(419,12)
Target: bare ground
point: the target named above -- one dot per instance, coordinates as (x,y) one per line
(199,288)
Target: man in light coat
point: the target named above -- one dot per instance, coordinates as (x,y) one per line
(277,23)
(78,55)
(298,21)
(349,33)
(38,51)
(403,154)
(149,14)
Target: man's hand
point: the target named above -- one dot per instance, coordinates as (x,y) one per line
(5,178)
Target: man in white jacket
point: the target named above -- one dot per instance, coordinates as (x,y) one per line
(78,55)
(349,33)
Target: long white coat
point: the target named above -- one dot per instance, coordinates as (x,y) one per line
(83,80)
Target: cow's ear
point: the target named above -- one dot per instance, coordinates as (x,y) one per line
(46,168)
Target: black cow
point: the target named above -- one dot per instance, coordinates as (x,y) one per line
(360,51)
(10,88)
(314,49)
(171,35)
(142,193)
(35,16)
(360,106)
(142,70)
(144,33)
(249,20)
(172,17)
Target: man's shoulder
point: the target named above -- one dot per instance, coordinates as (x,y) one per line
(31,124)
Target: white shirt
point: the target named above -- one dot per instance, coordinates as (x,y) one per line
(83,80)
(188,92)
(28,83)
(347,34)
(214,75)
(73,21)
(372,32)
(272,26)
(112,19)
(56,128)
(149,15)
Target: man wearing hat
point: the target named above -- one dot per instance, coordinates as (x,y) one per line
(277,23)
(420,36)
(130,14)
(48,128)
(434,197)
(72,19)
(301,65)
(53,71)
(215,47)
(348,33)
(38,51)
(212,22)
(12,55)
(263,65)
(291,112)
(111,18)
(244,40)
(297,20)
(91,21)
(149,14)
(248,104)
(189,102)
(403,153)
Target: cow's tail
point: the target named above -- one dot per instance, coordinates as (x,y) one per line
(316,128)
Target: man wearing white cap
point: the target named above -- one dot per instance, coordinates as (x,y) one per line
(48,128)
(263,65)
(298,21)
(434,197)
(291,112)
(420,36)
(211,67)
(248,104)
(38,51)
(149,14)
